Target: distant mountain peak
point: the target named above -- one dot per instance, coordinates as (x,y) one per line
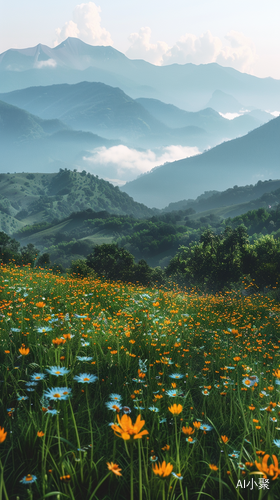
(224,103)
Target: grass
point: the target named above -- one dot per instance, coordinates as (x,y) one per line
(197,372)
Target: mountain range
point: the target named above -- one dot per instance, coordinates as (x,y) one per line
(240,161)
(187,86)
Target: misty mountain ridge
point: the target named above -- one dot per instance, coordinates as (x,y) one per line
(240,161)
(187,86)
(147,123)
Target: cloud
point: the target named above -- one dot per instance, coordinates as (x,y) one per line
(120,164)
(193,49)
(142,48)
(240,53)
(86,25)
(234,50)
(51,63)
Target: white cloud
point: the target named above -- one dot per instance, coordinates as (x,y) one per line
(51,63)
(142,48)
(234,50)
(240,53)
(120,163)
(230,116)
(86,25)
(193,49)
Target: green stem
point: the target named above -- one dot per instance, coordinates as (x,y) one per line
(131,471)
(78,439)
(177,446)
(140,470)
(90,425)
(2,483)
(98,486)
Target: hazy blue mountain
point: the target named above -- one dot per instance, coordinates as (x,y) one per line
(240,161)
(106,111)
(17,124)
(224,103)
(211,121)
(187,86)
(32,144)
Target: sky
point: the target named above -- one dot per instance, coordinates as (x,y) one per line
(243,34)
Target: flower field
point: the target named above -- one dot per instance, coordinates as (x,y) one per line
(111,391)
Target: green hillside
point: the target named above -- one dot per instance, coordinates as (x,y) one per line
(29,198)
(154,236)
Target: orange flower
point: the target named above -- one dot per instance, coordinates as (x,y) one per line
(3,434)
(24,351)
(251,407)
(175,409)
(40,434)
(188,430)
(213,467)
(197,425)
(224,439)
(166,447)
(271,470)
(40,304)
(276,373)
(127,430)
(114,468)
(162,470)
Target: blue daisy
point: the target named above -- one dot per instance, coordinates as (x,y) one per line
(113,405)
(115,397)
(44,329)
(57,370)
(176,375)
(154,409)
(38,376)
(58,393)
(22,398)
(178,476)
(206,427)
(84,358)
(29,479)
(52,412)
(85,378)
(172,393)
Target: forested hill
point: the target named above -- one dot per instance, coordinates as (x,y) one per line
(28,198)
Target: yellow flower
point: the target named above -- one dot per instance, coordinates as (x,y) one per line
(175,409)
(24,351)
(127,430)
(271,470)
(3,434)
(162,470)
(114,468)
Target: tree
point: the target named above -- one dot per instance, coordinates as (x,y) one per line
(112,262)
(43,261)
(9,248)
(28,254)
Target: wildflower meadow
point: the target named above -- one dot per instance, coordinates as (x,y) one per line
(114,391)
